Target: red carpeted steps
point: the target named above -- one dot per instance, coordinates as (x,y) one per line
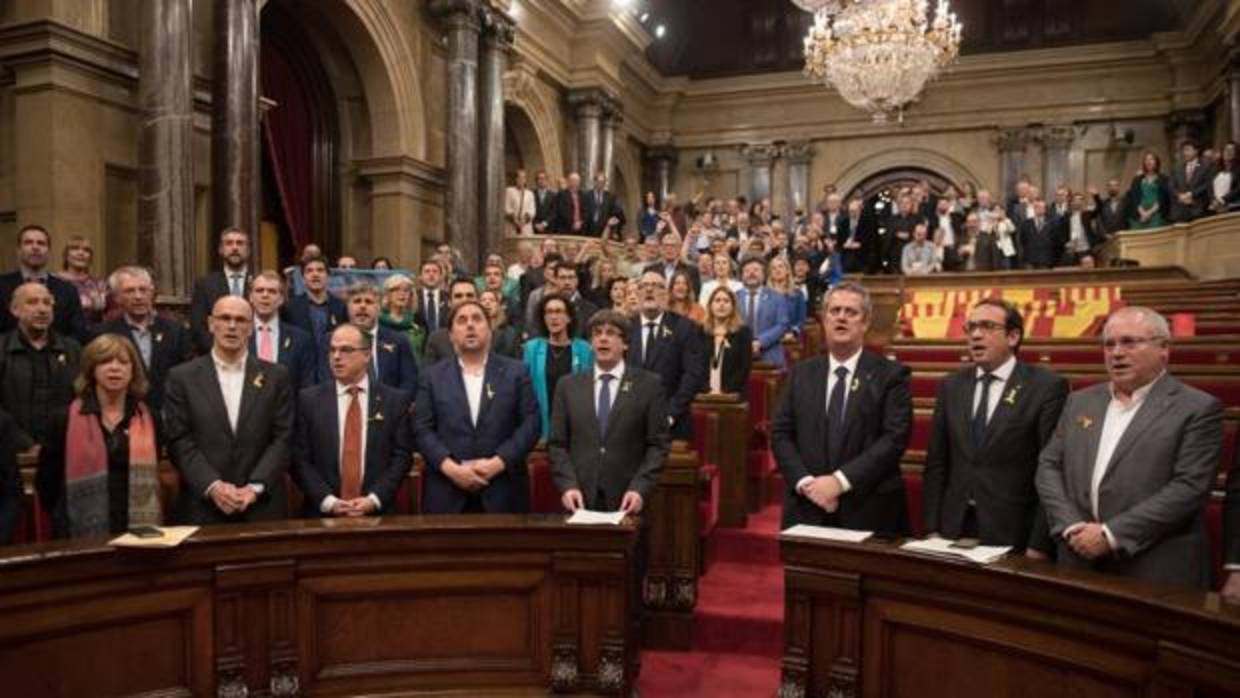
(738,626)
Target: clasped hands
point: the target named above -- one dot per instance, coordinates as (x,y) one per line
(231,499)
(824,491)
(472,475)
(630,503)
(1088,540)
(358,506)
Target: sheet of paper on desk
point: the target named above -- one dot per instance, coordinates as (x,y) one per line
(982,554)
(846,535)
(173,536)
(586,517)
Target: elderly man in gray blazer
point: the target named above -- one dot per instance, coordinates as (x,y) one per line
(1125,478)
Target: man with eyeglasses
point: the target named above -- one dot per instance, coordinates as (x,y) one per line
(847,475)
(1126,476)
(391,356)
(228,418)
(352,449)
(670,346)
(990,421)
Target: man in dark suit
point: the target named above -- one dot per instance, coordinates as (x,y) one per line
(433,305)
(609,434)
(856,237)
(1190,185)
(1231,534)
(33,247)
(544,204)
(1040,239)
(352,448)
(671,347)
(228,418)
(764,312)
(475,422)
(604,217)
(1126,476)
(439,343)
(842,425)
(161,342)
(570,209)
(990,421)
(233,280)
(567,280)
(391,356)
(670,250)
(278,342)
(1110,214)
(316,311)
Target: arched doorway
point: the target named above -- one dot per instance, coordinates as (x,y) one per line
(879,190)
(300,137)
(522,150)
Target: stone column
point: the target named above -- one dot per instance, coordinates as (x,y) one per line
(497,36)
(461,21)
(1056,145)
(1186,124)
(799,155)
(588,107)
(760,159)
(1233,98)
(1011,143)
(234,118)
(661,161)
(607,150)
(165,145)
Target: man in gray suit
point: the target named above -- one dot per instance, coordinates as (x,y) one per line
(609,430)
(1125,478)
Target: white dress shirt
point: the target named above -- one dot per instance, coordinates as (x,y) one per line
(618,372)
(232,382)
(832,363)
(1001,376)
(473,389)
(1222,184)
(658,321)
(343,399)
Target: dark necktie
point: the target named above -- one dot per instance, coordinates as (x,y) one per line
(604,403)
(351,453)
(432,312)
(648,350)
(983,410)
(835,417)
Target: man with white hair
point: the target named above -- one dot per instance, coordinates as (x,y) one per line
(1125,478)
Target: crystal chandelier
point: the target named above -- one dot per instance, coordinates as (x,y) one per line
(830,7)
(879,54)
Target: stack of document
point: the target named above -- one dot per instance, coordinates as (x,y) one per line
(586,517)
(171,538)
(981,554)
(846,535)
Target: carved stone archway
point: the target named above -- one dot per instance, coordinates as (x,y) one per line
(929,161)
(523,90)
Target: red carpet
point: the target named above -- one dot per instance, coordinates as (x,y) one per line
(738,629)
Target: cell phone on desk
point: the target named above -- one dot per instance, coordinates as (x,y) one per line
(146,531)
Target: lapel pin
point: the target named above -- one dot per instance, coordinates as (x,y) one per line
(159,337)
(1010,398)
(490,392)
(61,359)
(667,332)
(377,418)
(624,387)
(855,386)
(258,381)
(389,347)
(287,342)
(1085,421)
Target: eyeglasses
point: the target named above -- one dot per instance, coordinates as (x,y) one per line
(231,319)
(343,351)
(1129,343)
(984,326)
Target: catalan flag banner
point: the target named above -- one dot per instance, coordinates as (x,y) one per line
(1065,311)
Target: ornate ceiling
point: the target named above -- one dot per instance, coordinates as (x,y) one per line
(717,38)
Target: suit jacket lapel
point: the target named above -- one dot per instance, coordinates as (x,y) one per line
(212,392)
(331,403)
(254,379)
(620,402)
(861,379)
(818,399)
(458,385)
(655,346)
(1003,411)
(375,419)
(1095,409)
(968,388)
(490,378)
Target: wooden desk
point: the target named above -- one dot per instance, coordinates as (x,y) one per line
(494,605)
(870,620)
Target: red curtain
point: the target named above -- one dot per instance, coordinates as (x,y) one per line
(289,131)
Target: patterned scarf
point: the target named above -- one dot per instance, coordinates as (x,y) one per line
(86,473)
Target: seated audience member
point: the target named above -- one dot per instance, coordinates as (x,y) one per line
(1040,240)
(399,313)
(99,474)
(556,352)
(276,342)
(990,421)
(721,276)
(729,344)
(391,357)
(505,337)
(475,422)
(609,433)
(352,449)
(37,367)
(92,291)
(33,247)
(682,300)
(1225,187)
(765,312)
(232,280)
(162,343)
(668,345)
(316,311)
(782,283)
(1125,478)
(1149,195)
(228,418)
(439,343)
(1190,185)
(854,481)
(10,480)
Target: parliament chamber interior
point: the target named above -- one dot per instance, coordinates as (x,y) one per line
(661,348)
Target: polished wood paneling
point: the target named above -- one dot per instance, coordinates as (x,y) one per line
(511,605)
(669,589)
(729,450)
(871,620)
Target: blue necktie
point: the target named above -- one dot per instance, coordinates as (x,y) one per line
(604,403)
